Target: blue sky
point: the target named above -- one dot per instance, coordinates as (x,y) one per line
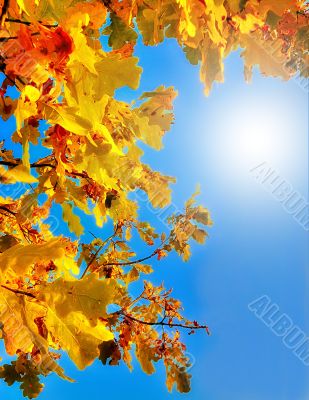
(255,247)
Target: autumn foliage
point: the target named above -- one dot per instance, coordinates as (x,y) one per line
(81,153)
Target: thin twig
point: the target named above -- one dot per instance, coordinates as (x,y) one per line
(98,251)
(17,291)
(28,23)
(130,262)
(161,323)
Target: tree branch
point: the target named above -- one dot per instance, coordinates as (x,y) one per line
(130,317)
(4,10)
(36,164)
(130,262)
(9,163)
(28,23)
(39,164)
(98,251)
(3,208)
(16,291)
(136,261)
(167,324)
(5,39)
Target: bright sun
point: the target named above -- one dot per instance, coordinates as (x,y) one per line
(251,133)
(256,135)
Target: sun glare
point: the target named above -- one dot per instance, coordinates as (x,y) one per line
(251,133)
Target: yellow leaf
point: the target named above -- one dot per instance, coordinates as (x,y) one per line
(17,174)
(68,118)
(116,72)
(216,14)
(144,356)
(20,332)
(247,24)
(20,258)
(31,93)
(188,25)
(267,55)
(212,68)
(199,235)
(22,6)
(89,295)
(72,219)
(75,336)
(74,309)
(26,107)
(82,52)
(154,117)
